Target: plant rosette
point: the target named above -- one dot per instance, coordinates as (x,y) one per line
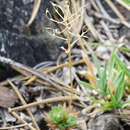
(59,118)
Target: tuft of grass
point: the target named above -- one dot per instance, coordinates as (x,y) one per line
(111,82)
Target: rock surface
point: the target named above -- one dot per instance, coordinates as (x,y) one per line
(105,122)
(26,47)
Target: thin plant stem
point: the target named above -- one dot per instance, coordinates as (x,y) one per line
(69,53)
(70,68)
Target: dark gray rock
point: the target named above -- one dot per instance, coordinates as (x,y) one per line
(28,46)
(21,49)
(14,14)
(105,122)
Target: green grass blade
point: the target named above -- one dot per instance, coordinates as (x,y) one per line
(106,104)
(102,81)
(118,79)
(124,104)
(113,100)
(106,109)
(119,90)
(87,85)
(123,66)
(112,61)
(96,63)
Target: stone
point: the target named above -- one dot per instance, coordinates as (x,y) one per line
(105,122)
(28,46)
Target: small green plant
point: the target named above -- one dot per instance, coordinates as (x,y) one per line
(115,94)
(110,81)
(59,118)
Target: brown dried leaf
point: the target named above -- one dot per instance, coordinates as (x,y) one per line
(91,79)
(7,97)
(111,86)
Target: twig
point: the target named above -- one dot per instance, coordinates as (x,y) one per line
(16,78)
(88,109)
(21,120)
(115,10)
(94,5)
(30,80)
(54,68)
(24,103)
(107,31)
(13,127)
(51,69)
(127,6)
(115,21)
(34,78)
(102,8)
(30,70)
(49,100)
(107,16)
(66,87)
(90,26)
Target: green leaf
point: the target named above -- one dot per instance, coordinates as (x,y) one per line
(61,126)
(113,100)
(71,121)
(122,65)
(106,108)
(119,90)
(87,85)
(124,104)
(111,65)
(118,79)
(101,102)
(57,114)
(102,81)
